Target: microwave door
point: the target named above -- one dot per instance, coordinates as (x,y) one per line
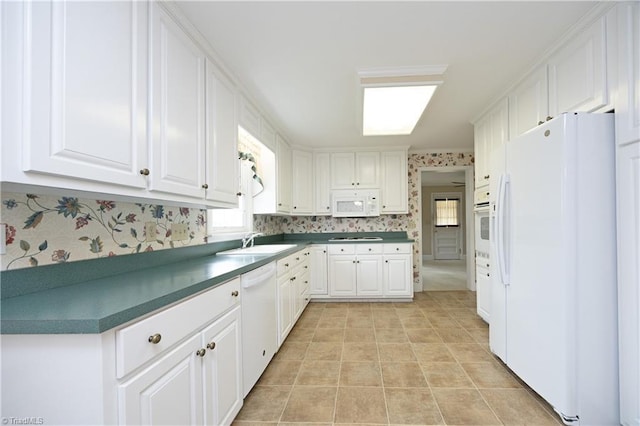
(349,208)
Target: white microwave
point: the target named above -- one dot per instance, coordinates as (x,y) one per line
(349,203)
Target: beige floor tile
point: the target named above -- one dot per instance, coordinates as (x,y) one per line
(469,352)
(332,322)
(310,404)
(454,335)
(415,322)
(517,407)
(308,321)
(292,351)
(464,407)
(299,334)
(472,322)
(402,375)
(324,351)
(249,423)
(360,351)
(318,373)
(432,352)
(359,321)
(442,322)
(328,335)
(391,335)
(423,335)
(490,375)
(412,406)
(264,403)
(480,335)
(361,405)
(359,335)
(396,352)
(360,374)
(410,312)
(386,322)
(280,373)
(446,375)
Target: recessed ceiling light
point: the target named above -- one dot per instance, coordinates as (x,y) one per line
(394,100)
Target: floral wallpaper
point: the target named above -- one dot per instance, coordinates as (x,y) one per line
(43,229)
(268,225)
(314,224)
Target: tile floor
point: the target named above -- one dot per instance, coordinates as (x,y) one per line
(420,363)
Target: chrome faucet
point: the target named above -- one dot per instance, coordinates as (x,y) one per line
(249,239)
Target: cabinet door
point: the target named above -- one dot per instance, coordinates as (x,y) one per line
(222,369)
(343,166)
(367,169)
(283,204)
(628,227)
(222,140)
(628,99)
(169,392)
(318,284)
(302,182)
(397,276)
(177,115)
(528,103)
(483,293)
(322,183)
(342,276)
(481,135)
(395,196)
(499,130)
(369,275)
(577,73)
(285,307)
(87,82)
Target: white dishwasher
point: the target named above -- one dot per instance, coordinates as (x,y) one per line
(259,322)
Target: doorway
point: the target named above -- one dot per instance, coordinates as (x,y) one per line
(447,232)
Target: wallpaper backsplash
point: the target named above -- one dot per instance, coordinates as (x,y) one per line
(43,229)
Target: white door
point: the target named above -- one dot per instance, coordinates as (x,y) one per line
(447,221)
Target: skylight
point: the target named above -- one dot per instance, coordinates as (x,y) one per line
(394,100)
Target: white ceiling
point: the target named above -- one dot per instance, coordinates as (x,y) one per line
(437,178)
(299,59)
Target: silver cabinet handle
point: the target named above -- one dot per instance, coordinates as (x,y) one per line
(155,339)
(211,345)
(201,352)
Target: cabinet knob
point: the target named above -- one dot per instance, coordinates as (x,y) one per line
(486,176)
(386,261)
(369,249)
(324,251)
(286,264)
(540,122)
(358,183)
(341,249)
(328,208)
(201,352)
(357,261)
(487,274)
(295,207)
(144,172)
(279,204)
(211,345)
(297,258)
(306,267)
(384,207)
(238,194)
(155,339)
(397,248)
(354,261)
(234,293)
(549,117)
(205,186)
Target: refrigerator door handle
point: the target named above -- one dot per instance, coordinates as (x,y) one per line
(501,203)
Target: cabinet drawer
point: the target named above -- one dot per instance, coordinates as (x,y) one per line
(133,345)
(341,248)
(369,248)
(284,265)
(401,248)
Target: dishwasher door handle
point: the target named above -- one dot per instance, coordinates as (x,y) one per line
(258,277)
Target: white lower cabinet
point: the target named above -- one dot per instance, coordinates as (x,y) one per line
(179,366)
(293,279)
(318,265)
(369,271)
(483,290)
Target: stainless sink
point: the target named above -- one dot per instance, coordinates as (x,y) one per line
(260,249)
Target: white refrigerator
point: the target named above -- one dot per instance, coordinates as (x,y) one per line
(553,251)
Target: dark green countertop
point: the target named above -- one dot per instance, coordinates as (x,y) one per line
(104,302)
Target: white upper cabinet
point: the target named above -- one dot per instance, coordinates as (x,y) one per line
(221,139)
(578,73)
(355,170)
(86,78)
(302,182)
(322,183)
(394,185)
(250,119)
(528,103)
(283,170)
(628,99)
(177,112)
(490,132)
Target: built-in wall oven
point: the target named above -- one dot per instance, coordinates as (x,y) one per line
(483,261)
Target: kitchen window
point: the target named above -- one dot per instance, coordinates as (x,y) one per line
(228,224)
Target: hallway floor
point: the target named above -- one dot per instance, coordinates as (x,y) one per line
(421,363)
(444,274)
